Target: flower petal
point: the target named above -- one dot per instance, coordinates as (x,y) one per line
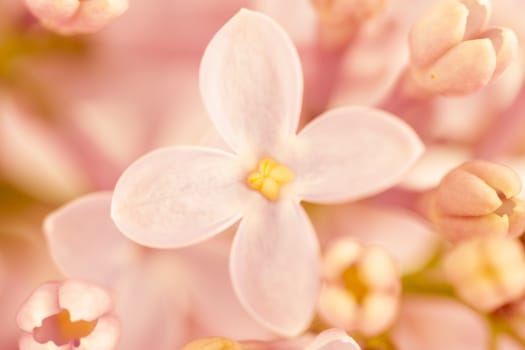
(85,243)
(27,342)
(350,153)
(333,339)
(104,336)
(406,237)
(178,196)
(207,270)
(251,82)
(434,323)
(274,266)
(148,317)
(41,304)
(84,301)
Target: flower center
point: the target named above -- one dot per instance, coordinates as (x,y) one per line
(61,330)
(269,178)
(355,284)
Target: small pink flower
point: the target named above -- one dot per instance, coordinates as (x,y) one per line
(487,272)
(251,84)
(76,16)
(68,315)
(362,288)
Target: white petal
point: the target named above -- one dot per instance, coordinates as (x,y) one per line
(178,196)
(251,83)
(350,153)
(104,337)
(275,266)
(41,304)
(333,339)
(27,342)
(84,301)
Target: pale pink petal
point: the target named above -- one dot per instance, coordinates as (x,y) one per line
(178,196)
(85,243)
(84,301)
(463,69)
(333,339)
(53,11)
(350,153)
(251,83)
(27,342)
(41,304)
(435,163)
(76,16)
(433,323)
(274,266)
(435,32)
(147,319)
(104,337)
(206,265)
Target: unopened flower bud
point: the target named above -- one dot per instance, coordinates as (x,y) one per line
(478,198)
(340,18)
(76,16)
(452,51)
(361,290)
(487,272)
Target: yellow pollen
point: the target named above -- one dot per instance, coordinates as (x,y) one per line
(269,178)
(61,330)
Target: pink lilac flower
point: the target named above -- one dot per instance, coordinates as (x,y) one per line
(251,83)
(76,16)
(161,297)
(66,316)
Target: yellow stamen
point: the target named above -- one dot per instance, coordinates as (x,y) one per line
(73,330)
(269,178)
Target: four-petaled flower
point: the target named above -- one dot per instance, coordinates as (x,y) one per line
(251,83)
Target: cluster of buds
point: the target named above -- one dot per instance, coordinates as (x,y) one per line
(453,52)
(361,290)
(487,272)
(478,198)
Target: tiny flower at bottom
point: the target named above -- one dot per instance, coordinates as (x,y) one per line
(68,315)
(487,272)
(362,288)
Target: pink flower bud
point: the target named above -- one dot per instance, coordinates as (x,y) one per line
(487,272)
(76,16)
(361,290)
(478,198)
(452,51)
